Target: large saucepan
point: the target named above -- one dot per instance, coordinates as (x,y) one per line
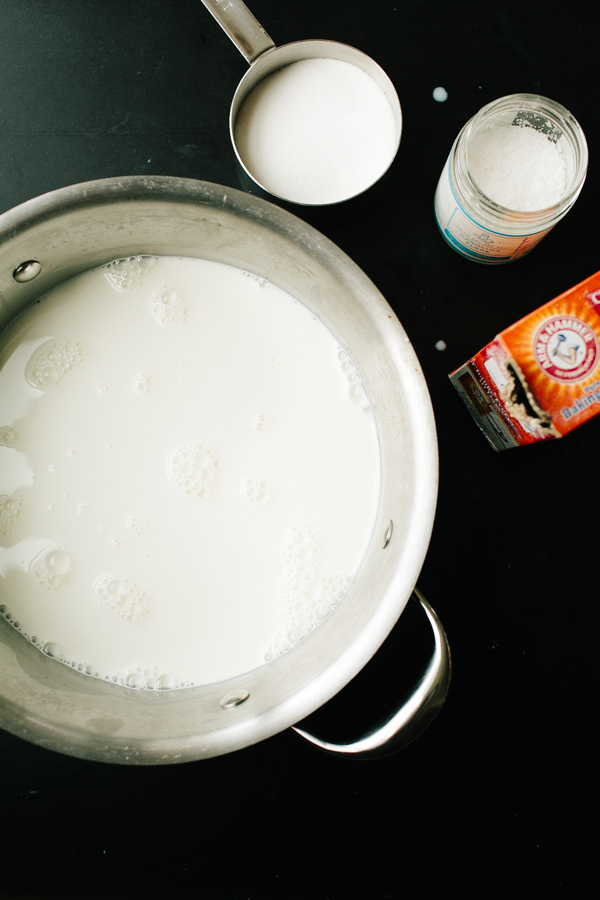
(58,235)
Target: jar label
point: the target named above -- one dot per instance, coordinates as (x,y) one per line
(472,239)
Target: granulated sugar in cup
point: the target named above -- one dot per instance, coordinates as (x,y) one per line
(313,122)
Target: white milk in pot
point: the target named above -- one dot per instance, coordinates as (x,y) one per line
(189,472)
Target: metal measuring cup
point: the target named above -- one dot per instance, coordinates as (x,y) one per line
(264,57)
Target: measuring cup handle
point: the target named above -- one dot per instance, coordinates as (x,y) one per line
(239,24)
(415,714)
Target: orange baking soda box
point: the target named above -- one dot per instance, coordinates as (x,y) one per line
(540,378)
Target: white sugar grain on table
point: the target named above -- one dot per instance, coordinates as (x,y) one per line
(316,131)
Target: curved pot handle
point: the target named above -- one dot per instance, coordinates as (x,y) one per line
(415,714)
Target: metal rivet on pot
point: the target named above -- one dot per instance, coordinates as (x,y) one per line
(387,534)
(234,699)
(27,271)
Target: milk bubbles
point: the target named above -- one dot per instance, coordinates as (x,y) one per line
(168,306)
(255,490)
(141,383)
(137,524)
(355,387)
(143,678)
(258,281)
(50,648)
(52,568)
(122,595)
(9,436)
(57,562)
(11,511)
(52,362)
(308,594)
(193,469)
(128,273)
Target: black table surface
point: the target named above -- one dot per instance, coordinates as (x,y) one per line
(495,799)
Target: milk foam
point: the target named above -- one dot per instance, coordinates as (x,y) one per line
(189,473)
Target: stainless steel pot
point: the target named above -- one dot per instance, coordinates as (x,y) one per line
(258,49)
(53,237)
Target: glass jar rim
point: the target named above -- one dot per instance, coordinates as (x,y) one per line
(569,126)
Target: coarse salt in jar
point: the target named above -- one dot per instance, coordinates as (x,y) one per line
(514,171)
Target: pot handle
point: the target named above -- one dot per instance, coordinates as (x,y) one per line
(418,711)
(239,24)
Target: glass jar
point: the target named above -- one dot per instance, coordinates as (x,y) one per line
(472,223)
